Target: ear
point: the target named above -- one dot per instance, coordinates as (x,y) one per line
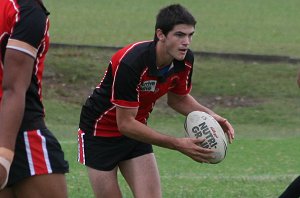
(160,35)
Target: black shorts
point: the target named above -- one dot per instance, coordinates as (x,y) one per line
(104,153)
(37,152)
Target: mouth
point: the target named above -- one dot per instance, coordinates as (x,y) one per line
(183,51)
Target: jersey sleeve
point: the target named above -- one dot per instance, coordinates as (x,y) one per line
(29,30)
(125,87)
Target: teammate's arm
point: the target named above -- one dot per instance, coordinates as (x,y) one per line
(132,128)
(17,72)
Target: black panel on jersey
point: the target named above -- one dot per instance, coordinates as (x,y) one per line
(123,84)
(129,71)
(97,103)
(32,23)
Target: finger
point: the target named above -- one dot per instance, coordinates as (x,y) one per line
(229,130)
(200,150)
(205,158)
(201,160)
(230,136)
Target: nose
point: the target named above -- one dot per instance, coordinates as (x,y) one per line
(187,40)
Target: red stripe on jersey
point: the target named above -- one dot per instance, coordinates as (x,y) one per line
(106,124)
(127,104)
(39,67)
(38,158)
(16,7)
(81,157)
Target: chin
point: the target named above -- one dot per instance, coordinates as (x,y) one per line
(180,58)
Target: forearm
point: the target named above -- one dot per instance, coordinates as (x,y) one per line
(143,133)
(187,104)
(11,115)
(17,71)
(187,146)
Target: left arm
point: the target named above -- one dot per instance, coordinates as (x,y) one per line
(185,104)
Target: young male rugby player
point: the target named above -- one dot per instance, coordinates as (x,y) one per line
(113,132)
(31,160)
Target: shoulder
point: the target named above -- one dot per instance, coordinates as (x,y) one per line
(28,6)
(132,54)
(29,25)
(31,9)
(136,51)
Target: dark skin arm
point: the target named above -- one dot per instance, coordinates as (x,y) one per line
(17,72)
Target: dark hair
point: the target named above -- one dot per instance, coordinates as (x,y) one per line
(172,15)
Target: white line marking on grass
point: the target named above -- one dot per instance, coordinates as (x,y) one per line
(68,142)
(236,177)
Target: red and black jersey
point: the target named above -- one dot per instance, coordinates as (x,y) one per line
(24,27)
(132,80)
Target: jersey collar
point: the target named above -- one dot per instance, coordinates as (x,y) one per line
(151,63)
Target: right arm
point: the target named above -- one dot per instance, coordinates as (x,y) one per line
(18,68)
(132,128)
(17,72)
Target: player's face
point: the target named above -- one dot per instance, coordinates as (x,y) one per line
(178,40)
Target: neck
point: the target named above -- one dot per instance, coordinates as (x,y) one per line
(162,56)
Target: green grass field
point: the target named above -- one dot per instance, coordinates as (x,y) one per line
(260,100)
(235,26)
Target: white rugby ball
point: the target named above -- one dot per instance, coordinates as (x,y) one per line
(199,124)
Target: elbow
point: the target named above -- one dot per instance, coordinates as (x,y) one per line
(170,104)
(11,92)
(124,127)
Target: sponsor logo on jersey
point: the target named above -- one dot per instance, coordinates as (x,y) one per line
(149,85)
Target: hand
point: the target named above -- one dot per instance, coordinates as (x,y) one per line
(191,147)
(226,126)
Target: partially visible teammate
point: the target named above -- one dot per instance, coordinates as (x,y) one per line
(293,189)
(113,133)
(31,160)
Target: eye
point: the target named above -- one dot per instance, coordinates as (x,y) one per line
(179,34)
